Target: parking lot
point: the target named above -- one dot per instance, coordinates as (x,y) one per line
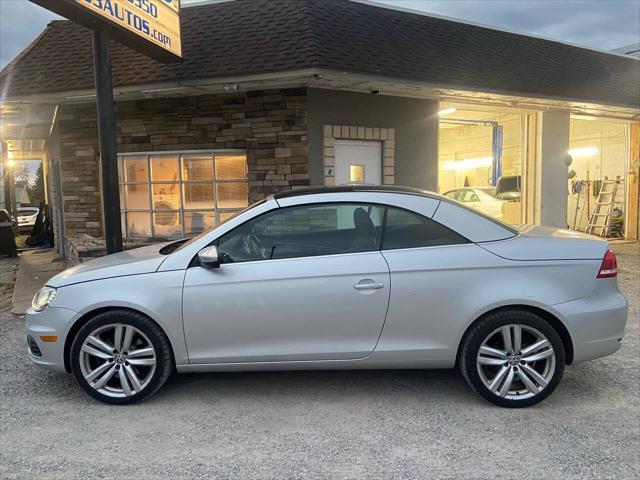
(361,424)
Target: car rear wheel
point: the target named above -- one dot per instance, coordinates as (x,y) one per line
(512,358)
(121,357)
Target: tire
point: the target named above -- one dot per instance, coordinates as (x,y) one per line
(535,370)
(145,362)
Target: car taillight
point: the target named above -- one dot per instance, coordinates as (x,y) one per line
(609,267)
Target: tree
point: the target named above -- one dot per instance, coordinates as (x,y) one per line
(36,189)
(21,175)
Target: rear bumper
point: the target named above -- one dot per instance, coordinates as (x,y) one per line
(596,322)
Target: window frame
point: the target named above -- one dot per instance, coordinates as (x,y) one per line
(380,239)
(216,242)
(181,210)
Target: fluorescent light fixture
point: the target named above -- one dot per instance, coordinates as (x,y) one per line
(582,117)
(165,89)
(446,111)
(468,163)
(583,152)
(80,97)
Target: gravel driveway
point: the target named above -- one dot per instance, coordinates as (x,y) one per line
(393,424)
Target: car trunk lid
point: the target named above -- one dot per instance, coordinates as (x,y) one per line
(536,242)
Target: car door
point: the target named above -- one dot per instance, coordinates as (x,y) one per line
(298,283)
(433,270)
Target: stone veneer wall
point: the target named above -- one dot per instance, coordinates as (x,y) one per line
(271,125)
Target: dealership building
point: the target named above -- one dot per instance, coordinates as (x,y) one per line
(278,94)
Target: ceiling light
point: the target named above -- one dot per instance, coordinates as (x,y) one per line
(583,152)
(468,163)
(80,97)
(446,111)
(582,117)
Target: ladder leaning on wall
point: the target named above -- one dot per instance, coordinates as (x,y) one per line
(600,221)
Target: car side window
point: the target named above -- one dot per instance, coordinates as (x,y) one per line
(405,229)
(472,197)
(304,231)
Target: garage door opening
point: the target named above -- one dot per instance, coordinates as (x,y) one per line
(481,154)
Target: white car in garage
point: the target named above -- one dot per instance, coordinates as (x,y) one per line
(481,198)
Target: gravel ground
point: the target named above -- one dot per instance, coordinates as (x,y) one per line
(394,424)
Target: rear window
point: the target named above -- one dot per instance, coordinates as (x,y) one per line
(27,211)
(405,229)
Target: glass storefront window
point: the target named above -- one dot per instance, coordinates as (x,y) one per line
(136,169)
(169,195)
(138,223)
(136,196)
(197,222)
(231,167)
(164,168)
(198,195)
(197,168)
(232,194)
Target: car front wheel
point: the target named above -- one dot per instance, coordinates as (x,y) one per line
(121,357)
(512,358)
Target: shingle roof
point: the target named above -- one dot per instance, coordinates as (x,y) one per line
(248,37)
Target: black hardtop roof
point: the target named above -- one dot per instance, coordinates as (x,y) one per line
(355,188)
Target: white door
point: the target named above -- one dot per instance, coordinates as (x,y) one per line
(358,162)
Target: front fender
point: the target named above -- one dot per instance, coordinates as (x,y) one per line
(157,295)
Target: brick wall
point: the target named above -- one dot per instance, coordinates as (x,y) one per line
(271,125)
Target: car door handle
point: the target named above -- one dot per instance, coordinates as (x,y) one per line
(368,285)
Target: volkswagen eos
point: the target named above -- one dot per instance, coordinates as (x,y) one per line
(338,278)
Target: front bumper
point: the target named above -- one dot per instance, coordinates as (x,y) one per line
(596,322)
(51,322)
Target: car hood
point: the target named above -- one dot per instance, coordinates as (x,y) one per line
(130,262)
(537,242)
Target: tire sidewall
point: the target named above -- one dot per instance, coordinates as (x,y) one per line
(146,326)
(491,323)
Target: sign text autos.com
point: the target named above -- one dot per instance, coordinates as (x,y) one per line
(123,12)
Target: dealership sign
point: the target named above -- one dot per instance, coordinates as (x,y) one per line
(150,26)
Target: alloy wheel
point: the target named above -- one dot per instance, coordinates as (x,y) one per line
(117,360)
(516,362)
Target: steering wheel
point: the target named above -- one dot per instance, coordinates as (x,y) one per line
(253,247)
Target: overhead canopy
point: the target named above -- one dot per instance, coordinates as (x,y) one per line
(25,129)
(257,37)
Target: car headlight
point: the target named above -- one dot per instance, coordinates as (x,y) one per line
(43,298)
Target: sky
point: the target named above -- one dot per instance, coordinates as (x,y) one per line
(601,24)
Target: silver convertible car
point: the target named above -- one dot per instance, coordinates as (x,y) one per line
(338,278)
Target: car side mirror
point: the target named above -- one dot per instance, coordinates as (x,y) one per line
(209,257)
